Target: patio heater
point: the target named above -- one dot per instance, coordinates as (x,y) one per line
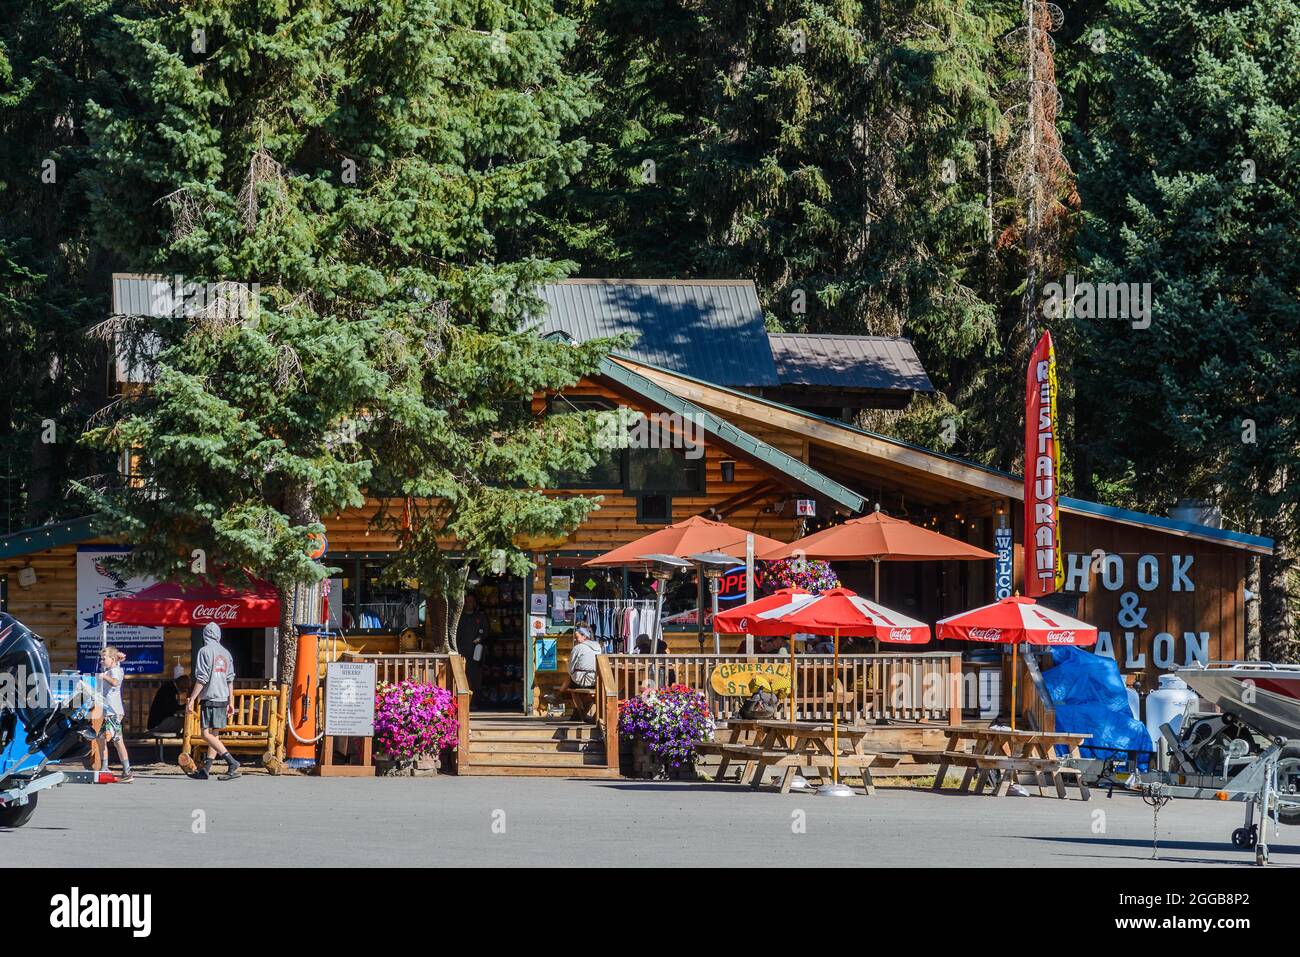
(712,565)
(662,568)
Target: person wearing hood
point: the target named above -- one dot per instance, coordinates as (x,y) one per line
(214,677)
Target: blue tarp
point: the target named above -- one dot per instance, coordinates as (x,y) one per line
(1090,698)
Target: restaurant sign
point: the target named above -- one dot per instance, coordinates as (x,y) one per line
(1044,569)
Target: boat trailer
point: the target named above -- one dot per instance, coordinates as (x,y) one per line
(1246,751)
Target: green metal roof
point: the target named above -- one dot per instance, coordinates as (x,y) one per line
(50,536)
(729,435)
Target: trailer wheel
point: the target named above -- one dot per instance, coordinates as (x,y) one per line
(1288,780)
(16,815)
(1245,837)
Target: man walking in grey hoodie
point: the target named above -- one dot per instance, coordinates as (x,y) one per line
(214,676)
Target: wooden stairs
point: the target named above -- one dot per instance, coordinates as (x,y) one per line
(518,746)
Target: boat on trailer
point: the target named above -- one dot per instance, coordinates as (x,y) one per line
(1261,694)
(1247,748)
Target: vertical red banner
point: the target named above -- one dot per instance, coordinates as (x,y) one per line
(1044,564)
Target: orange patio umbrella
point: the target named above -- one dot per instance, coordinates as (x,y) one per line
(683,539)
(877,537)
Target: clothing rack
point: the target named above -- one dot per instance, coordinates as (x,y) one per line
(616,622)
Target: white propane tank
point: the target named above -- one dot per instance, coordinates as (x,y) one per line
(1166,705)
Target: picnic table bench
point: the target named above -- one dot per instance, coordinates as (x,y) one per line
(791,745)
(1009,754)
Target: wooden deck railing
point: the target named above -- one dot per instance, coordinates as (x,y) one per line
(607,698)
(444,670)
(925,686)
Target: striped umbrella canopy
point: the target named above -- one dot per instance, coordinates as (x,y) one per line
(1014,620)
(840,611)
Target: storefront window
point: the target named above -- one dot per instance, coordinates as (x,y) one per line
(361,600)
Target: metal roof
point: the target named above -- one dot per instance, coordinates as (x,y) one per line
(712,329)
(38,539)
(1015,486)
(848,362)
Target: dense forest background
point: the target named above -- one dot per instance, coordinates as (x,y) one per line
(875,166)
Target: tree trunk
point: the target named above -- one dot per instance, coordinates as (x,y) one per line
(1253,586)
(456,605)
(297,506)
(1278,596)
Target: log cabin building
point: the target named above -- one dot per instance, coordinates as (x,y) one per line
(764,440)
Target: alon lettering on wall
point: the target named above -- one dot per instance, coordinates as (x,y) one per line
(1134,593)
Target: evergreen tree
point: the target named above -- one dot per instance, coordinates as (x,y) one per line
(838,154)
(354,160)
(1189,179)
(53,283)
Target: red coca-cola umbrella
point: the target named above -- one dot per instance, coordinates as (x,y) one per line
(839,611)
(1012,621)
(169,603)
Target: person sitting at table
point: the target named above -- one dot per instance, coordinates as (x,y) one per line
(167,711)
(763,645)
(819,645)
(582,669)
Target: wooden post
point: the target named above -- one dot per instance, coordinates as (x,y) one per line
(955,689)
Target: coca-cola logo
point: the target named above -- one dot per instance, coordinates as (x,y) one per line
(1060,637)
(224,612)
(986,634)
(900,634)
(744,624)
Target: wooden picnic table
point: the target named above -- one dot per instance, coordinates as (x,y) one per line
(792,745)
(1010,754)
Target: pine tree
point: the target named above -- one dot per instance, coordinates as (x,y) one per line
(52,283)
(1190,179)
(355,161)
(841,155)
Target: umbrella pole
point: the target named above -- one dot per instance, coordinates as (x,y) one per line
(835,711)
(1015,671)
(875,642)
(794,684)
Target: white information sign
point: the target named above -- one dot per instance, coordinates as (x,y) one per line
(350,699)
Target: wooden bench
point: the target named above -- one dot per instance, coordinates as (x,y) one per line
(256,727)
(980,767)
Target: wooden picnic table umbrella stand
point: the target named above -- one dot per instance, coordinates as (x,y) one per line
(1012,621)
(834,612)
